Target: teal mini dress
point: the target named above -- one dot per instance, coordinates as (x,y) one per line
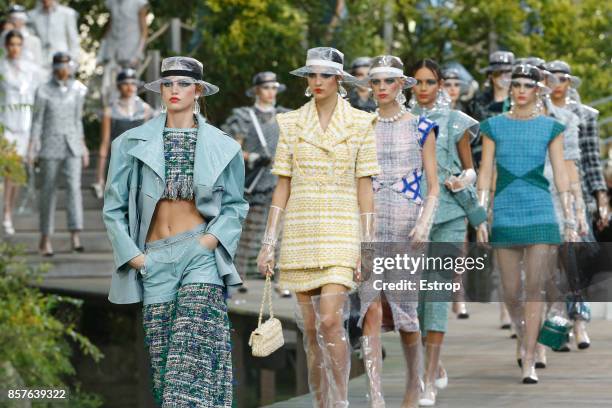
(523,211)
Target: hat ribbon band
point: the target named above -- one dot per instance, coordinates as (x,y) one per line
(386,70)
(324,63)
(181,72)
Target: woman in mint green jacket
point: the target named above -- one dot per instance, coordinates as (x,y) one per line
(173,208)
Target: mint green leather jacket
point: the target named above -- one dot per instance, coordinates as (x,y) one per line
(135,184)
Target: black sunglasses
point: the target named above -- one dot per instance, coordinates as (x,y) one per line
(388,81)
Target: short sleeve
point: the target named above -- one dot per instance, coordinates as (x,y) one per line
(283,159)
(557,129)
(485,130)
(425,126)
(461,123)
(367,161)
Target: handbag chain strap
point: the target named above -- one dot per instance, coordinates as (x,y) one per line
(268,293)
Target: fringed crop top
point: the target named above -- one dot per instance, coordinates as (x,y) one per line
(179,154)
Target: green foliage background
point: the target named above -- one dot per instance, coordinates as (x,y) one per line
(236,38)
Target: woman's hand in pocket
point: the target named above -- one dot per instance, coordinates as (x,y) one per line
(137,262)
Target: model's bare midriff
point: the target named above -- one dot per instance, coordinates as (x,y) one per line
(172,217)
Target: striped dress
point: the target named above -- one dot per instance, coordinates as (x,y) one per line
(320,242)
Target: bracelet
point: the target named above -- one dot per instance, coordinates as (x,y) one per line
(367,245)
(268,240)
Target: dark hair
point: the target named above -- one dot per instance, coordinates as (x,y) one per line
(430,65)
(10,35)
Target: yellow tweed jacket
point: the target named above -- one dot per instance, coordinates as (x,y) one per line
(321,226)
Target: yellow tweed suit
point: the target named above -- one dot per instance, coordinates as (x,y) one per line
(320,243)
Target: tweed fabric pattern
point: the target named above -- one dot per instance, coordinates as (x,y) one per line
(571,151)
(523,212)
(591,171)
(179,154)
(250,241)
(157,320)
(398,200)
(240,126)
(321,226)
(193,361)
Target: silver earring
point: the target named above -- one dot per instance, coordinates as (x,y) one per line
(308,92)
(196,107)
(539,107)
(342,91)
(412,103)
(400,98)
(163,109)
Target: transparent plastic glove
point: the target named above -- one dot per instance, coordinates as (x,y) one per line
(420,232)
(265,259)
(569,221)
(603,208)
(458,183)
(483,198)
(579,208)
(367,234)
(482,231)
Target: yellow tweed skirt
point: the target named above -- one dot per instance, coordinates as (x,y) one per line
(303,280)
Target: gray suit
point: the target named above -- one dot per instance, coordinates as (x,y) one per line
(57,137)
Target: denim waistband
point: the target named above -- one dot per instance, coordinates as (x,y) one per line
(176,238)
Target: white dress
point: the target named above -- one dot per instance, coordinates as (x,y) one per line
(20,79)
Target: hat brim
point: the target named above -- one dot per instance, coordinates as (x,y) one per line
(319,69)
(365,83)
(576,81)
(208,88)
(251,91)
(497,67)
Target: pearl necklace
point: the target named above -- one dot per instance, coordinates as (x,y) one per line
(393,118)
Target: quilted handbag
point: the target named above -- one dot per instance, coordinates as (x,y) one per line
(268,336)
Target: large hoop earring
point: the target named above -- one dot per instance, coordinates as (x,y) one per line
(163,109)
(342,91)
(196,107)
(308,92)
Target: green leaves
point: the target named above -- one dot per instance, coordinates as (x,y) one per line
(37,331)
